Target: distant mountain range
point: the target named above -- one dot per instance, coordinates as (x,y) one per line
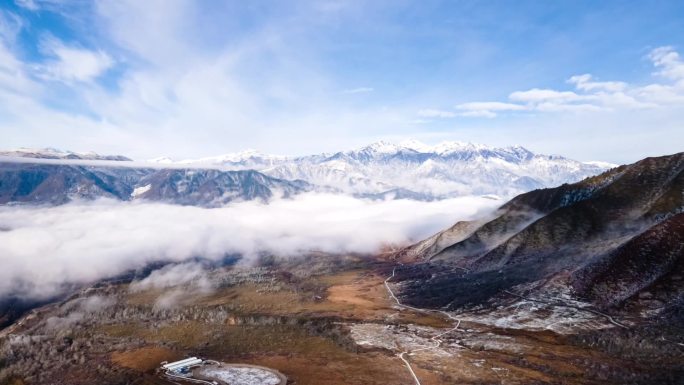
(53,153)
(29,183)
(410,170)
(415,170)
(615,240)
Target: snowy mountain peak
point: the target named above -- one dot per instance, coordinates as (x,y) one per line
(244,158)
(47,151)
(522,154)
(54,153)
(380,147)
(372,152)
(415,145)
(450,147)
(417,169)
(446,148)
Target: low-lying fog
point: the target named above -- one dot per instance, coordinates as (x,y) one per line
(43,248)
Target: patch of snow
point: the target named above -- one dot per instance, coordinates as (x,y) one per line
(601,164)
(140,190)
(240,375)
(533,315)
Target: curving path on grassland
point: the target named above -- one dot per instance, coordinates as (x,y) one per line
(435,339)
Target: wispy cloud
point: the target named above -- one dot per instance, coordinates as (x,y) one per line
(669,63)
(591,95)
(487,109)
(585,82)
(72,63)
(434,113)
(10,25)
(28,4)
(359,90)
(149,70)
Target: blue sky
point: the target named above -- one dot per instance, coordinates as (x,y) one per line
(586,79)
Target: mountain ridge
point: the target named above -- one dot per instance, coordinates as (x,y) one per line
(29,183)
(434,172)
(595,233)
(384,170)
(53,153)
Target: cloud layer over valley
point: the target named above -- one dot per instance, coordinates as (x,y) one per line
(45,248)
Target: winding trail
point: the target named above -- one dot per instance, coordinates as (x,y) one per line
(435,339)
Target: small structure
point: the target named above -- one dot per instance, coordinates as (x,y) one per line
(182,366)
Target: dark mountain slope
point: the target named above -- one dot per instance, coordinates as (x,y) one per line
(213,187)
(434,245)
(523,210)
(650,259)
(25,183)
(619,208)
(589,228)
(57,184)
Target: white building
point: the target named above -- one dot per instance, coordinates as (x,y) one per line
(182,366)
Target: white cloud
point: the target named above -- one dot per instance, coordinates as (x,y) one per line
(188,280)
(568,107)
(434,113)
(478,114)
(660,94)
(420,121)
(156,31)
(13,78)
(95,303)
(45,248)
(487,109)
(73,63)
(669,63)
(173,275)
(595,96)
(10,25)
(585,83)
(28,4)
(490,106)
(359,90)
(537,95)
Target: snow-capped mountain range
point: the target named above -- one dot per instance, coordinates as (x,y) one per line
(414,170)
(53,153)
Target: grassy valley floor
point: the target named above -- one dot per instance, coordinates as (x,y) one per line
(332,323)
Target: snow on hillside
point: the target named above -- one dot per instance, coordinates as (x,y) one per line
(605,165)
(445,170)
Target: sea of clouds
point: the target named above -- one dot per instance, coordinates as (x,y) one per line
(45,248)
